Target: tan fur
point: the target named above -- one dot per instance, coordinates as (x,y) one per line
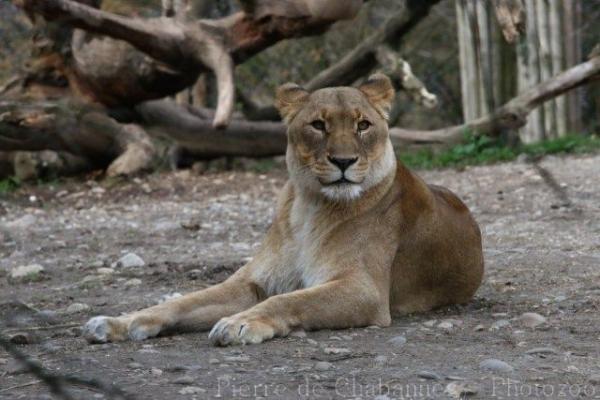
(339,254)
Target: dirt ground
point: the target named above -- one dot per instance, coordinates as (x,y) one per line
(194,230)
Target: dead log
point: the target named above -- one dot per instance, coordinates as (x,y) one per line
(183,49)
(78,129)
(263,138)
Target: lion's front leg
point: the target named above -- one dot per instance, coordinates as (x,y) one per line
(343,303)
(195,311)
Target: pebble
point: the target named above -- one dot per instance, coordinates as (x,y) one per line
(22,223)
(21,338)
(323,366)
(169,296)
(336,350)
(239,359)
(492,364)
(26,272)
(501,323)
(430,323)
(213,361)
(446,325)
(105,271)
(129,260)
(134,365)
(381,360)
(183,380)
(398,341)
(156,371)
(312,342)
(594,379)
(77,308)
(133,282)
(298,334)
(191,390)
(531,320)
(429,375)
(479,328)
(542,350)
(460,390)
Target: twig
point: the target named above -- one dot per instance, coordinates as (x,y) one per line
(57,383)
(42,328)
(8,389)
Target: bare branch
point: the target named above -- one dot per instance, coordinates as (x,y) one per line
(361,59)
(58,383)
(401,74)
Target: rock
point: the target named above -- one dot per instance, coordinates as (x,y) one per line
(542,350)
(129,260)
(183,380)
(21,338)
(213,361)
(133,282)
(312,342)
(298,334)
(15,367)
(194,274)
(531,320)
(336,350)
(237,359)
(397,341)
(479,328)
(446,325)
(594,379)
(134,365)
(22,223)
(156,371)
(461,390)
(27,273)
(381,360)
(323,366)
(169,296)
(77,308)
(191,390)
(492,364)
(105,271)
(501,323)
(429,375)
(430,323)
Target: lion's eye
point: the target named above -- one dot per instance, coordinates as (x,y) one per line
(363,125)
(318,125)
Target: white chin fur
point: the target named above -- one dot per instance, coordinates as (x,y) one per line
(344,192)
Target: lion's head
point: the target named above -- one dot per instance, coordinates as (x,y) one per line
(338,140)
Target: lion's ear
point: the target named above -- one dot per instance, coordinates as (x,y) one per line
(380,93)
(289,100)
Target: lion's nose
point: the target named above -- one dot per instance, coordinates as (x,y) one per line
(342,163)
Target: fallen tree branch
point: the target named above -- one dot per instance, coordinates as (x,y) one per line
(186,47)
(75,128)
(193,129)
(360,60)
(58,383)
(402,76)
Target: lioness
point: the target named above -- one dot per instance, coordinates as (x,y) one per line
(357,236)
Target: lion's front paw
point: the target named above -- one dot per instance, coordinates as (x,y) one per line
(104,329)
(239,329)
(107,329)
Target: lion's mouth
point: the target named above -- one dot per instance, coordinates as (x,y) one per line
(342,181)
